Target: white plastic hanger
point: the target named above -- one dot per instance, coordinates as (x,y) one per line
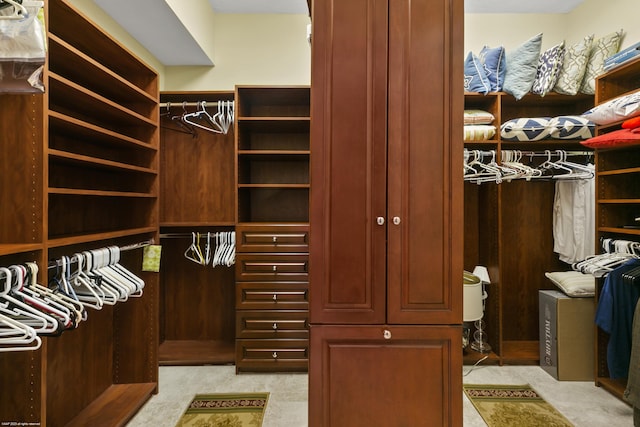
(19,11)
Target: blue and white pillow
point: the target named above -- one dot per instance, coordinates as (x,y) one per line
(571,127)
(526,129)
(549,68)
(475,79)
(495,66)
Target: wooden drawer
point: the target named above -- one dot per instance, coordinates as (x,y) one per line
(272,267)
(272,238)
(272,324)
(272,295)
(272,355)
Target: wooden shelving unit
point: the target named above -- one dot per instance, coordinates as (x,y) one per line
(501,219)
(81,173)
(617,197)
(272,139)
(198,194)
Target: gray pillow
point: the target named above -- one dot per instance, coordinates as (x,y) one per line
(522,65)
(602,48)
(575,64)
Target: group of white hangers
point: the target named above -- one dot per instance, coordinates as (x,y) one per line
(19,11)
(481,166)
(219,248)
(29,310)
(201,118)
(616,253)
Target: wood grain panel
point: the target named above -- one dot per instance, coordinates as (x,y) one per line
(348,171)
(197,182)
(425,200)
(353,366)
(199,301)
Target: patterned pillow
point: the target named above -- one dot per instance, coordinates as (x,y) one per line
(549,68)
(475,79)
(478,117)
(526,129)
(575,64)
(479,132)
(522,65)
(601,49)
(495,66)
(571,127)
(620,108)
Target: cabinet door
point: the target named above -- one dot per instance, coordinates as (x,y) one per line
(375,376)
(348,171)
(424,168)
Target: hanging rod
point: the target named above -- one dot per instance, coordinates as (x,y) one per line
(190,103)
(532,153)
(189,235)
(58,263)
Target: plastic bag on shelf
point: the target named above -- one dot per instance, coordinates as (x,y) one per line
(22,46)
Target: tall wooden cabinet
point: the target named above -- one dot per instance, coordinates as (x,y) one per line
(386,213)
(79,172)
(617,196)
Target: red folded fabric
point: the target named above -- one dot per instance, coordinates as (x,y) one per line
(631,123)
(614,139)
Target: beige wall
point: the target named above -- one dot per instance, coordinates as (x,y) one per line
(250,49)
(272,49)
(592,17)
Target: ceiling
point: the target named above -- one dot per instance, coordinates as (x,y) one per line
(471,6)
(164,35)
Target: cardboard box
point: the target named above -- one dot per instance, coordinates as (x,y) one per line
(566,336)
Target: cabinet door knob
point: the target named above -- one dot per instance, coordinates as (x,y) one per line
(275,326)
(274,355)
(386,334)
(380,220)
(396,220)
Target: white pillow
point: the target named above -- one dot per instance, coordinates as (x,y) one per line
(574,283)
(616,109)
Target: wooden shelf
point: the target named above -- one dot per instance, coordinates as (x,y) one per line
(615,387)
(520,352)
(274,152)
(17,248)
(91,134)
(196,352)
(619,230)
(116,406)
(86,238)
(101,163)
(76,192)
(74,64)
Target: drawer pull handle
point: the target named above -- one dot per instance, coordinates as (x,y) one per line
(275,239)
(275,297)
(275,268)
(275,326)
(274,355)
